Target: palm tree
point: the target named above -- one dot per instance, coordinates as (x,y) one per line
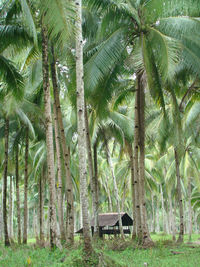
(7,242)
(49,139)
(82,147)
(17,194)
(26,187)
(145,26)
(65,152)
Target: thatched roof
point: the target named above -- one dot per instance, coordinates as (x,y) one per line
(111,219)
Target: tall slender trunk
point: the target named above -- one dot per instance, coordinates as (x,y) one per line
(172,218)
(106,186)
(116,192)
(82,147)
(175,212)
(96,188)
(59,169)
(146,239)
(163,210)
(189,209)
(197,231)
(49,140)
(167,219)
(153,213)
(66,156)
(35,224)
(18,194)
(157,216)
(41,204)
(48,224)
(92,175)
(1,215)
(6,134)
(11,209)
(26,187)
(181,233)
(130,150)
(124,196)
(136,163)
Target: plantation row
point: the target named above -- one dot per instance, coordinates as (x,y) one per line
(100,113)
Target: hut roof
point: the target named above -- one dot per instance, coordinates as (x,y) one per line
(111,219)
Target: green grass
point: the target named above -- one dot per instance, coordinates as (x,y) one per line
(159,256)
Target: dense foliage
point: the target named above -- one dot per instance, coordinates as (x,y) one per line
(100,112)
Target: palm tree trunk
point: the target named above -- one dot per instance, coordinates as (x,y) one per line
(48,224)
(197,231)
(26,188)
(66,156)
(11,207)
(136,163)
(116,192)
(130,150)
(18,195)
(49,140)
(157,216)
(181,233)
(172,218)
(110,208)
(82,147)
(92,176)
(59,169)
(1,215)
(6,134)
(153,213)
(35,224)
(167,219)
(189,209)
(41,204)
(146,239)
(175,212)
(96,188)
(163,210)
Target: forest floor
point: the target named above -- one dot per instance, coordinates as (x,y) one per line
(114,253)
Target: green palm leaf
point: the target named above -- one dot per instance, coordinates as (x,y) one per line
(28,19)
(101,63)
(59,17)
(13,35)
(167,52)
(152,74)
(11,77)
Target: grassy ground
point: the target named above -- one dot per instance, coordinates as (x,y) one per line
(116,254)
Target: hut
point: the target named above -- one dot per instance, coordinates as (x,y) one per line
(109,224)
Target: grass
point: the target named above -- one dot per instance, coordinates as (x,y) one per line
(165,253)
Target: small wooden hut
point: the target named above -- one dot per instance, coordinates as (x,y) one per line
(109,224)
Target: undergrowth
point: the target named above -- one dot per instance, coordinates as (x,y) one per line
(108,253)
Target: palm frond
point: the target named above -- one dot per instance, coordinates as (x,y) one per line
(193,114)
(125,124)
(32,55)
(29,20)
(156,9)
(11,77)
(152,74)
(12,10)
(59,16)
(24,118)
(167,53)
(104,59)
(13,35)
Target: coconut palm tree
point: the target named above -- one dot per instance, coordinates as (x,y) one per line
(82,147)
(145,26)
